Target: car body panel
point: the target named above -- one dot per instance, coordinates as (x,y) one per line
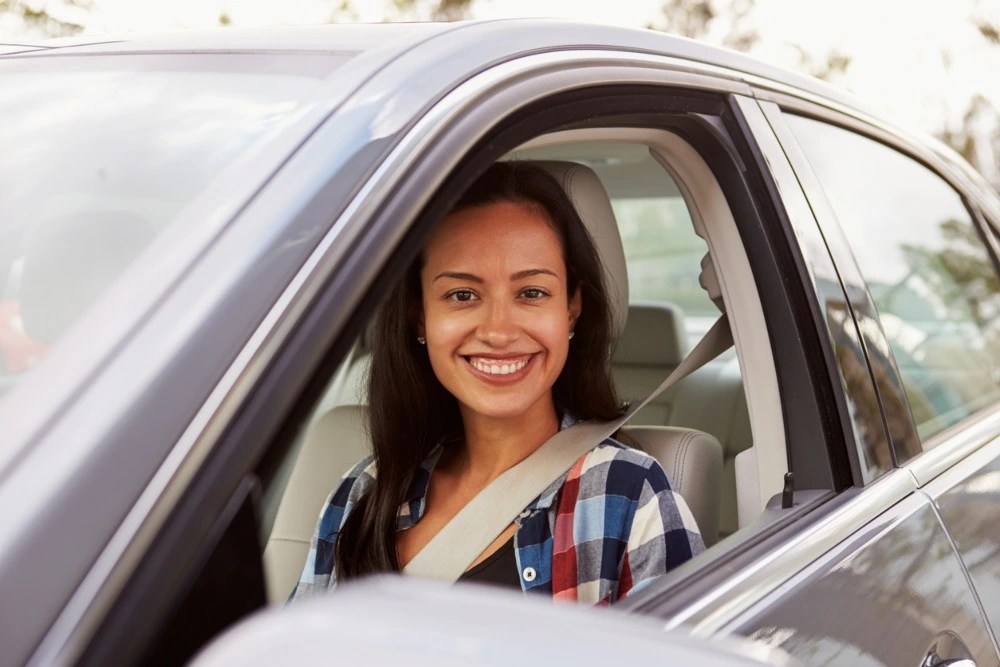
(967,498)
(885,597)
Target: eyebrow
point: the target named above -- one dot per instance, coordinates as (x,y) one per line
(520,275)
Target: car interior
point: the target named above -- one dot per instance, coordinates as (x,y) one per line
(674,260)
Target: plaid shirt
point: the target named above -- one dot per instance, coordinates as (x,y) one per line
(603,530)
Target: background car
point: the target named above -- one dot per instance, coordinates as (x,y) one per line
(201,226)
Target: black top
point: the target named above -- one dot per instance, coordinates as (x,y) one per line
(499,568)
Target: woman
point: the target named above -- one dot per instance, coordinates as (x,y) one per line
(498,336)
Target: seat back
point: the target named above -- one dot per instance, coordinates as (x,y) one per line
(332,445)
(693,463)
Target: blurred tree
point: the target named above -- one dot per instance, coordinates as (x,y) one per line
(406,10)
(725,22)
(831,66)
(433,10)
(976,136)
(731,23)
(45,18)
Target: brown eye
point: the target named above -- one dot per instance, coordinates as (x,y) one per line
(533,293)
(461,295)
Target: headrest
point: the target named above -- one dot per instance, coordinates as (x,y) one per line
(69,261)
(593,205)
(654,336)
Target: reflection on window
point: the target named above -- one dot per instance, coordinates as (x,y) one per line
(929,273)
(100,155)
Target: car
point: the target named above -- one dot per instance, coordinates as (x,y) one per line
(197,228)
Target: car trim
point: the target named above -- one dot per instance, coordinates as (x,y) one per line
(808,235)
(953,445)
(861,306)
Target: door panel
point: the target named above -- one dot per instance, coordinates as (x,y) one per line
(886,596)
(968,499)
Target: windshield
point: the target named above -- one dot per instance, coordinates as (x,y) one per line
(102,152)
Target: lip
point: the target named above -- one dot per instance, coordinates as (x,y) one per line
(510,378)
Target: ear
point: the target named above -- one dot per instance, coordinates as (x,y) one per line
(575,308)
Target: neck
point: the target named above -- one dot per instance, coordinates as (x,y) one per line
(493,445)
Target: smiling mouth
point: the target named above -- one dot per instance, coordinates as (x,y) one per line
(499,367)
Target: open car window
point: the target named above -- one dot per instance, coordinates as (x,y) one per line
(668,312)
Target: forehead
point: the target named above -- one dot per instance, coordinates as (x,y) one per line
(503,234)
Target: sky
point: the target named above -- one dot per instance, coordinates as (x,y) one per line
(918,62)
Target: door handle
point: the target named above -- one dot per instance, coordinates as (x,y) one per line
(948,650)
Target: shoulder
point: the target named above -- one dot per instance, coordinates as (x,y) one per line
(620,469)
(355,483)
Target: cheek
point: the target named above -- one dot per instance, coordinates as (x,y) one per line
(443,328)
(556,335)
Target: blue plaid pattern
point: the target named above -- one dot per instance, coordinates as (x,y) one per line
(600,532)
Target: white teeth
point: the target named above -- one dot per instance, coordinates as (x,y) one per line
(495,368)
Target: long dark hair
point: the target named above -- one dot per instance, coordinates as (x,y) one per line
(410,412)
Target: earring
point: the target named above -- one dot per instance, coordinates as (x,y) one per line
(421,340)
(571,334)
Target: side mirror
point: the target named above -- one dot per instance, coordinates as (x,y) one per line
(397,620)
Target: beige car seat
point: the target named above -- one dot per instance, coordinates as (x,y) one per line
(337,439)
(711,399)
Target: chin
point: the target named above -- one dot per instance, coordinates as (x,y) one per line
(499,409)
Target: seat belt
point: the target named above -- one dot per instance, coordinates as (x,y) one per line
(492,510)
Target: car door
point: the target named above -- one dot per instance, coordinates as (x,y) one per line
(922,283)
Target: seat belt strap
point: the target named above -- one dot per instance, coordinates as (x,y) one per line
(492,510)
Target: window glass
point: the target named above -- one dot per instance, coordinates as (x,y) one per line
(663,252)
(929,274)
(102,153)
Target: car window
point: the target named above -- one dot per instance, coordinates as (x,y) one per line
(930,276)
(101,154)
(669,311)
(662,250)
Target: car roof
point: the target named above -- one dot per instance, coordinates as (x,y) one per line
(477,43)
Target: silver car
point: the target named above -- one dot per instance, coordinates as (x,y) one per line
(195,231)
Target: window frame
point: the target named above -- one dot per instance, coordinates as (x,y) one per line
(952,444)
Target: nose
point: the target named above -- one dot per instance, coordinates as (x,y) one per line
(498,327)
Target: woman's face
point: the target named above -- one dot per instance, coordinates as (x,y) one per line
(496,312)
